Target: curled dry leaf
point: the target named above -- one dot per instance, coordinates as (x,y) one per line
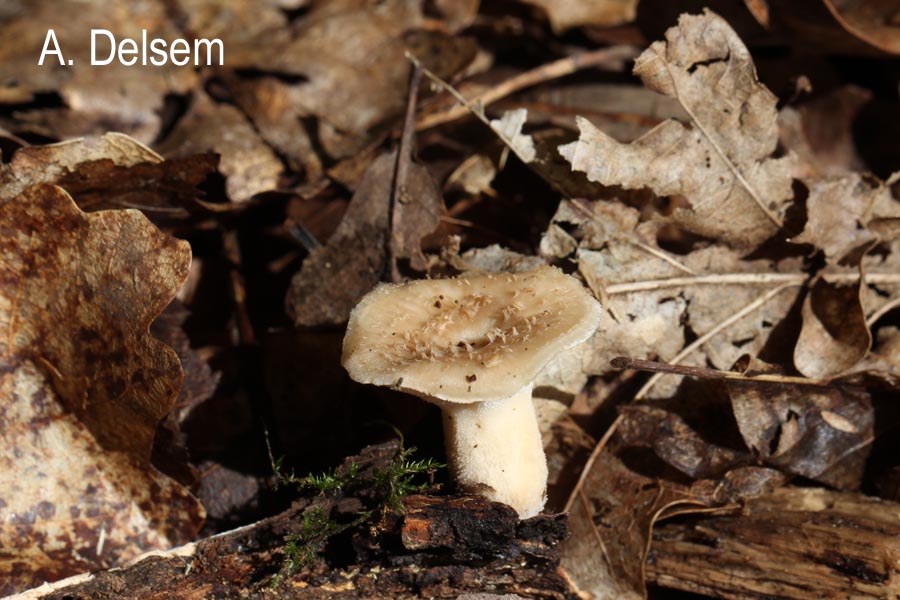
(355,257)
(724,163)
(135,104)
(84,386)
(112,171)
(47,164)
(834,336)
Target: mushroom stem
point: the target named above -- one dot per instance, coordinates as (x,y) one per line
(494,449)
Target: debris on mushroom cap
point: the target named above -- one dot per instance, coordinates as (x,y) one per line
(467,339)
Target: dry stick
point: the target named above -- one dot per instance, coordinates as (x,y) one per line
(399,190)
(884,309)
(709,334)
(734,168)
(626,362)
(475,109)
(662,256)
(232,249)
(789,279)
(560,68)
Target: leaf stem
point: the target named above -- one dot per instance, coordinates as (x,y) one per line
(603,58)
(749,308)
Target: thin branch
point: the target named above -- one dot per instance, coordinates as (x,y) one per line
(604,58)
(625,362)
(662,256)
(882,310)
(399,191)
(761,279)
(475,108)
(712,332)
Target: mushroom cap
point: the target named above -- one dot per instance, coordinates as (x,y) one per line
(468,339)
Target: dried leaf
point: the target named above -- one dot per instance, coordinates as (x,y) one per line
(610,521)
(473,176)
(339,87)
(883,362)
(497,259)
(249,164)
(276,110)
(355,257)
(872,21)
(604,104)
(614,251)
(566,14)
(199,379)
(418,208)
(840,210)
(509,128)
(724,165)
(118,97)
(821,131)
(834,336)
(673,441)
(335,47)
(820,433)
(47,164)
(85,386)
(112,171)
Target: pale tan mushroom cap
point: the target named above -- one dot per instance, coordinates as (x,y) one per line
(467,339)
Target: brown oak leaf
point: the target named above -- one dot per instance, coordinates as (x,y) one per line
(83,386)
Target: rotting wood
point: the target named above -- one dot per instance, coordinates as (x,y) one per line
(794,543)
(442,547)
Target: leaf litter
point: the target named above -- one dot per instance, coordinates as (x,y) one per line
(736,253)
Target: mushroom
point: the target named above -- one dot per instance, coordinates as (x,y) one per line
(473,345)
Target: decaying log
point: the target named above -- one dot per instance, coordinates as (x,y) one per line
(440,547)
(793,543)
